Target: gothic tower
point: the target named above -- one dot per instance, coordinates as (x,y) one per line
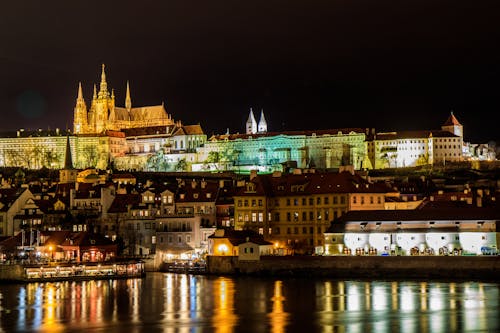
(262,128)
(68,173)
(128,101)
(91,113)
(251,125)
(80,113)
(102,105)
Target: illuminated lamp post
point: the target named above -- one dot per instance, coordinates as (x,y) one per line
(51,252)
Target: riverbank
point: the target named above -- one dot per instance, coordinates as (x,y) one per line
(71,272)
(373,267)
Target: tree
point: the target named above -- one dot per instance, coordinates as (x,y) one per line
(181,165)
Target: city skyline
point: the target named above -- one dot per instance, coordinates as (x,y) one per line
(309,66)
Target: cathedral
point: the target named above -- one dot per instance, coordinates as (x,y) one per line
(104,115)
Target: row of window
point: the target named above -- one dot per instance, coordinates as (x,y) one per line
(179,239)
(362,200)
(293,201)
(296,230)
(307,216)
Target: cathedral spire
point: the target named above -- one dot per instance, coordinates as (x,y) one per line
(80,93)
(103,91)
(128,101)
(95,92)
(251,125)
(262,127)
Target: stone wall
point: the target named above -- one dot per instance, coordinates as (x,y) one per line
(11,272)
(460,267)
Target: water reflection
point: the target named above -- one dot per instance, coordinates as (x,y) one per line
(184,303)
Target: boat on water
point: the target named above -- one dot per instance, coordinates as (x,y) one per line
(70,272)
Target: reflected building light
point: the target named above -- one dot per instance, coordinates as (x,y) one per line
(328,297)
(168,304)
(453,300)
(379,298)
(83,309)
(50,320)
(21,319)
(114,314)
(92,292)
(134,299)
(436,301)
(394,296)
(224,318)
(38,305)
(183,312)
(368,304)
(278,317)
(193,296)
(423,296)
(342,298)
(353,297)
(407,299)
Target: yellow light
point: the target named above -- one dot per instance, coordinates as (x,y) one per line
(222,249)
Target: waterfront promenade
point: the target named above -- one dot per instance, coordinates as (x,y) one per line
(373,267)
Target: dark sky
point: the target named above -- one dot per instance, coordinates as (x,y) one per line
(309,64)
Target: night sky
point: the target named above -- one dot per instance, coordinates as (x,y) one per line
(392,65)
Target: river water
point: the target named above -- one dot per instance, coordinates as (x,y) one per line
(198,303)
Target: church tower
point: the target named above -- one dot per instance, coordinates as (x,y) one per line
(262,128)
(68,173)
(102,105)
(128,101)
(251,125)
(453,126)
(80,113)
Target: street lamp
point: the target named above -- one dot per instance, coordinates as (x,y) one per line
(51,252)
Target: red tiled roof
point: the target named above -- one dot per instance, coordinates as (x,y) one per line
(451,121)
(311,183)
(414,135)
(121,202)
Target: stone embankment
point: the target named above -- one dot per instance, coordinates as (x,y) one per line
(418,267)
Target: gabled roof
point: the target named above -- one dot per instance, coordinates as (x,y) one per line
(8,196)
(193,129)
(85,238)
(424,134)
(122,201)
(311,183)
(206,193)
(451,121)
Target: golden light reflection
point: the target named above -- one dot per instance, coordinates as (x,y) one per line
(50,318)
(394,296)
(190,303)
(278,316)
(224,318)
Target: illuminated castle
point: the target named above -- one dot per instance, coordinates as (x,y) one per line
(104,115)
